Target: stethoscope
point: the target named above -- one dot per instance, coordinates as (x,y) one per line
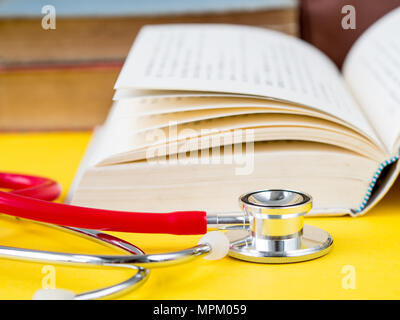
(269,229)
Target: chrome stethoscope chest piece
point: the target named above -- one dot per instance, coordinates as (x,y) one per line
(276,232)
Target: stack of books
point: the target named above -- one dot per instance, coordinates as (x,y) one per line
(62,78)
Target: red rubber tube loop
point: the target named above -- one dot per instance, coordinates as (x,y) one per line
(30,199)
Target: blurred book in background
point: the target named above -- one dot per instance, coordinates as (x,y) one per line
(320,23)
(63,78)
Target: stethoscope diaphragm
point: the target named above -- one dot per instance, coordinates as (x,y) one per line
(276,232)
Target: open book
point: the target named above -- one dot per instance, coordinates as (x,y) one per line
(205,113)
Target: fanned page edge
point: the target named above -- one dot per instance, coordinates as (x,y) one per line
(374,192)
(112,159)
(372,197)
(86,161)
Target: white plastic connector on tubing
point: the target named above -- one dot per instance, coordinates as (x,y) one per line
(219,244)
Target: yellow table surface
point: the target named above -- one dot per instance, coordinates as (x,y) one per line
(364,262)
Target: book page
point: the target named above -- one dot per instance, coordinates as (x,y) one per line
(176,108)
(211,133)
(239,59)
(372,70)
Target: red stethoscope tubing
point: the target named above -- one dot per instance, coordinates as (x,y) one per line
(30,198)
